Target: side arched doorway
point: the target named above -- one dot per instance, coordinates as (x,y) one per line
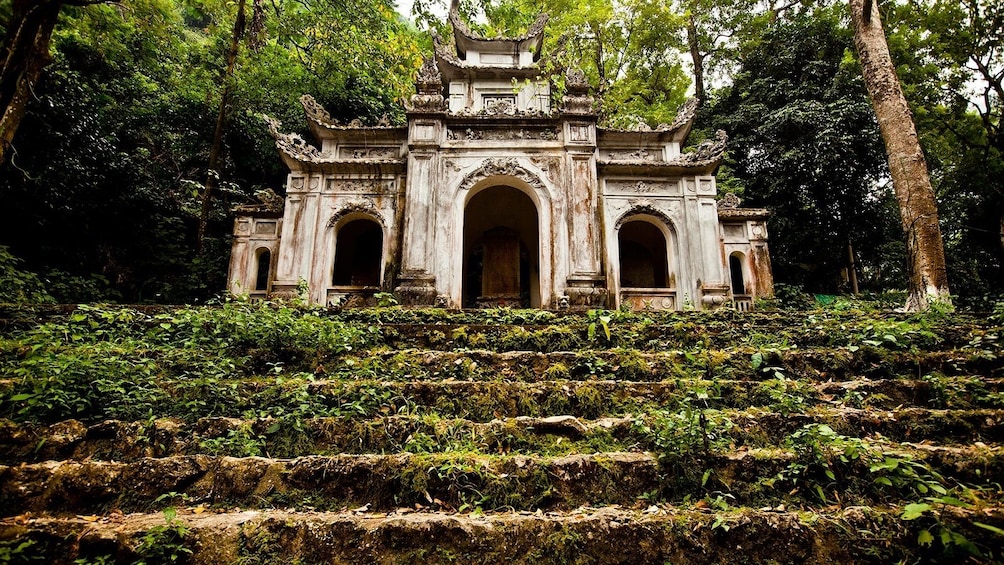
(643,255)
(737,274)
(646,269)
(263,272)
(358,253)
(501,249)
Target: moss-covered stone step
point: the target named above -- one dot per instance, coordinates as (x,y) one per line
(552,436)
(240,330)
(487,400)
(303,395)
(627,364)
(810,473)
(689,333)
(603,536)
(381,481)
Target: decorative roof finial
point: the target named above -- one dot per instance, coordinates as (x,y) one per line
(315,111)
(429,80)
(709,151)
(429,88)
(576,99)
(291,144)
(575,81)
(730,200)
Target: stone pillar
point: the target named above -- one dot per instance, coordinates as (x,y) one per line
(760,258)
(586,282)
(426,133)
(702,221)
(300,221)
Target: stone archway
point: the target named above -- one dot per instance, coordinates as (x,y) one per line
(737,273)
(358,253)
(501,249)
(645,261)
(643,255)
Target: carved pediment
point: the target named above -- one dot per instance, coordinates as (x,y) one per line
(503,166)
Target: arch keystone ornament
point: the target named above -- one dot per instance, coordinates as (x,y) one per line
(501,167)
(363,207)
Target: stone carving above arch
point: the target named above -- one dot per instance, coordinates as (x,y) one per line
(644,208)
(502,166)
(364,207)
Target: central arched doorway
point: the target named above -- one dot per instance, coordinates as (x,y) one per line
(501,250)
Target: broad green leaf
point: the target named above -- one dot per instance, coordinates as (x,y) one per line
(990,528)
(915,510)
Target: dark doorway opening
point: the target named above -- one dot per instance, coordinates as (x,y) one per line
(264,269)
(358,254)
(501,243)
(736,272)
(643,256)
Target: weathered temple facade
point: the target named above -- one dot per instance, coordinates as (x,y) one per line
(492,194)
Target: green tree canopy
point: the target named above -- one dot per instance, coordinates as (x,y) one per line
(804,144)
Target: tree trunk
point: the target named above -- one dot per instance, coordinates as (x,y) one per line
(25,54)
(917,204)
(216,149)
(852,269)
(698,58)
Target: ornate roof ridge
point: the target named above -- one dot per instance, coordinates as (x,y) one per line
(744,213)
(295,147)
(291,144)
(350,126)
(707,153)
(534,31)
(684,116)
(318,114)
(444,54)
(502,111)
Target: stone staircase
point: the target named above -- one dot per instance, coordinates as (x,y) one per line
(256,433)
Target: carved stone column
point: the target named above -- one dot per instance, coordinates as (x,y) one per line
(586,283)
(426,132)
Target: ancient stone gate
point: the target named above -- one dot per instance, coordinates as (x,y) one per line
(491,196)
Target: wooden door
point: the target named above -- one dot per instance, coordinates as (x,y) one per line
(500,273)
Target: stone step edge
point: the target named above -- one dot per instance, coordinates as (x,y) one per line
(659,533)
(335,481)
(73,432)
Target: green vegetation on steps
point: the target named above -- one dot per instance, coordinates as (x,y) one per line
(823,423)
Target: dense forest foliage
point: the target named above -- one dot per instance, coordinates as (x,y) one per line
(104,183)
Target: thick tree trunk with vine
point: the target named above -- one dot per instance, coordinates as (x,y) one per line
(917,204)
(216,149)
(25,54)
